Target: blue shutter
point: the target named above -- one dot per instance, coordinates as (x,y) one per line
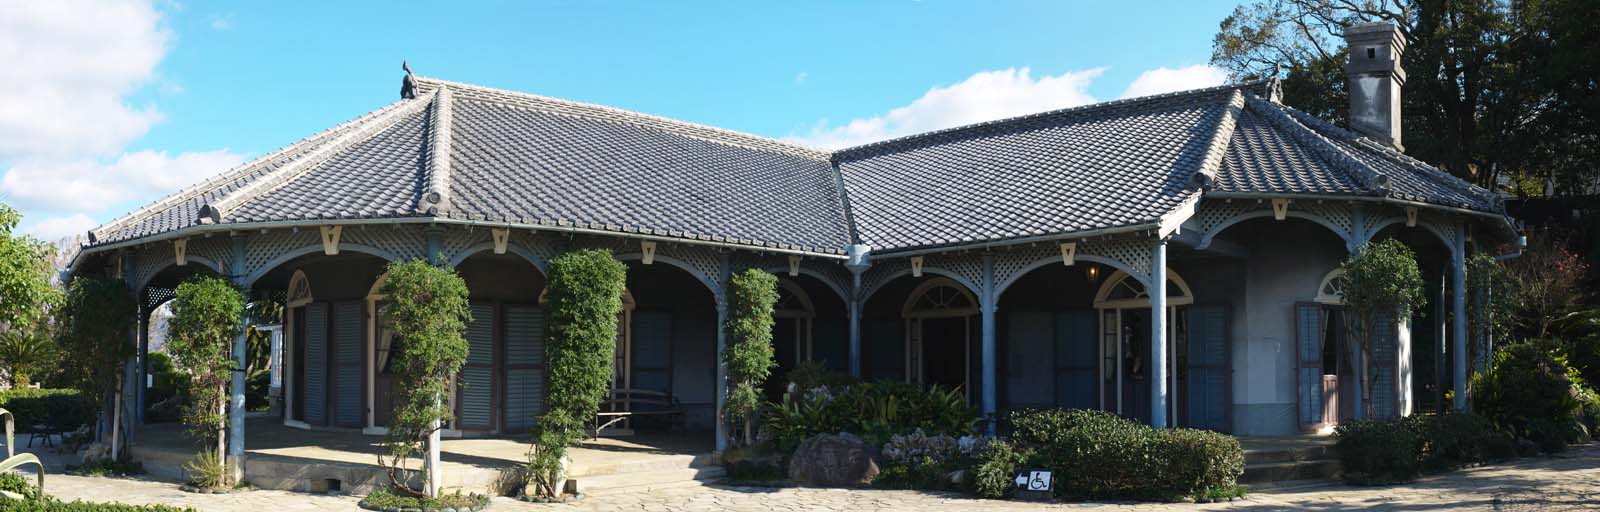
(1030,370)
(524,366)
(477,376)
(348,318)
(652,351)
(1076,356)
(1207,383)
(1385,354)
(316,350)
(1308,373)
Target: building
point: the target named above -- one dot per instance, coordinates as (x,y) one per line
(1169,257)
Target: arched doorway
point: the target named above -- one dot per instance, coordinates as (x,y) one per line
(793,334)
(1324,375)
(1123,306)
(940,315)
(501,388)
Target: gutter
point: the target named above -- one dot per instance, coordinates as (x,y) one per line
(1370,199)
(212,229)
(994,244)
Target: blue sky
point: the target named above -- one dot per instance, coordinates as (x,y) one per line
(128,101)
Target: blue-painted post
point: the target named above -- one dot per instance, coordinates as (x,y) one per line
(1458,293)
(857,264)
(1158,334)
(987,306)
(236,433)
(726,272)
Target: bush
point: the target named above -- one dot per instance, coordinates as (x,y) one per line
(64,409)
(166,394)
(383,499)
(18,484)
(52,505)
(748,356)
(1096,454)
(1531,394)
(206,470)
(428,306)
(814,374)
(918,461)
(1457,440)
(996,467)
(876,411)
(1375,452)
(205,319)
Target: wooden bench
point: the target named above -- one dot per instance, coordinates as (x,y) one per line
(620,407)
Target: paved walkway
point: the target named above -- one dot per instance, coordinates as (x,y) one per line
(1567,482)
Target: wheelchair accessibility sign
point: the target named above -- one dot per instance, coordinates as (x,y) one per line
(1033,484)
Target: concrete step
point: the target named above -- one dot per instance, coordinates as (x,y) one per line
(638,464)
(621,483)
(1270,472)
(1288,455)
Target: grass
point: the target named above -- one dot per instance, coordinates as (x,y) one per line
(1220,494)
(384,499)
(107,468)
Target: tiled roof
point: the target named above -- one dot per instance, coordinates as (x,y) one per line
(471,153)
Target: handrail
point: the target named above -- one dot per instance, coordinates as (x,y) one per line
(16,461)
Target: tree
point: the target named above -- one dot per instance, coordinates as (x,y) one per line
(1546,284)
(207,315)
(1382,280)
(28,352)
(584,301)
(96,330)
(25,270)
(1494,88)
(748,355)
(428,309)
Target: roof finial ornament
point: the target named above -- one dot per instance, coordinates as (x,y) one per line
(408,85)
(1275,84)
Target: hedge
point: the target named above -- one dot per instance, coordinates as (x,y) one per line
(65,409)
(52,505)
(1096,454)
(1377,452)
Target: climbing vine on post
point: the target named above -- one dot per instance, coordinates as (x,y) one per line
(207,315)
(1488,312)
(1382,279)
(96,320)
(751,295)
(428,311)
(583,303)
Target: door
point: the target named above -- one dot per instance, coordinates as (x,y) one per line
(314,407)
(1076,356)
(1029,372)
(1207,376)
(524,366)
(1309,336)
(944,352)
(1136,364)
(475,392)
(652,351)
(348,371)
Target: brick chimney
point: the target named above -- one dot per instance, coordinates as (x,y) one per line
(1374,78)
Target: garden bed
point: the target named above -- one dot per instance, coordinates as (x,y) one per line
(385,501)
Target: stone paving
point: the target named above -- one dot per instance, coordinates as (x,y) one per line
(1567,482)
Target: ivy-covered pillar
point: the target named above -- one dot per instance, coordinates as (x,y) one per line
(857,264)
(1458,299)
(237,274)
(1158,334)
(989,404)
(434,240)
(725,271)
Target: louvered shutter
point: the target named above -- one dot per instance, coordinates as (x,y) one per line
(524,334)
(476,394)
(1207,382)
(1308,373)
(316,364)
(349,381)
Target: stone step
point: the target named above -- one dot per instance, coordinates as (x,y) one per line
(1288,455)
(621,483)
(1255,474)
(639,464)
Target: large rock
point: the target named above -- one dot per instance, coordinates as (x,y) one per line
(833,460)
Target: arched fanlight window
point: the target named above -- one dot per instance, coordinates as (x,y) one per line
(299,293)
(938,297)
(1123,291)
(1331,290)
(793,310)
(382,326)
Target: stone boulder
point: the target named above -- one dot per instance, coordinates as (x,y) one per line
(833,460)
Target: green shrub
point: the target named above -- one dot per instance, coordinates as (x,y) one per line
(1531,394)
(876,411)
(812,374)
(1096,454)
(1375,452)
(206,471)
(52,505)
(64,409)
(384,499)
(748,356)
(584,298)
(166,393)
(996,467)
(18,484)
(917,461)
(1198,462)
(206,314)
(1457,440)
(428,307)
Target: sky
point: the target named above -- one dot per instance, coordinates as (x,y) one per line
(108,105)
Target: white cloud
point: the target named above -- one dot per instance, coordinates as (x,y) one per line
(89,185)
(222,22)
(801,77)
(1164,80)
(56,228)
(984,96)
(66,118)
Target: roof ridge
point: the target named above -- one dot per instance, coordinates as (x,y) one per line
(435,196)
(607,113)
(1368,177)
(1113,105)
(229,175)
(1217,149)
(1450,180)
(213,212)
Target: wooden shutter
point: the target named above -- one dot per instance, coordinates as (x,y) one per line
(316,364)
(475,397)
(1385,358)
(1029,365)
(1077,378)
(349,381)
(1308,372)
(652,351)
(524,384)
(1208,372)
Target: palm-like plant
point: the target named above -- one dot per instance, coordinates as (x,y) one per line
(27,352)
